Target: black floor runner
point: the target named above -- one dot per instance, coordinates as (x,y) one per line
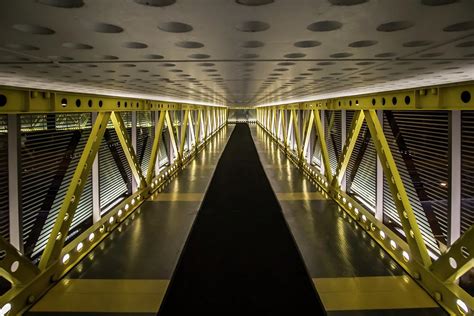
(240,257)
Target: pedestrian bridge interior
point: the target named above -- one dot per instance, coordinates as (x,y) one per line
(236,157)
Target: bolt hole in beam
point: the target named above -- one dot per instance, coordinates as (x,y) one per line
(407,100)
(465,96)
(64,102)
(3,100)
(78,102)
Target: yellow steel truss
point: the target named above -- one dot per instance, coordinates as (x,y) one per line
(63,222)
(322,142)
(156,146)
(405,212)
(356,125)
(30,282)
(127,148)
(446,97)
(439,277)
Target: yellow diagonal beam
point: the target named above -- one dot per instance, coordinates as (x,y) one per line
(283,125)
(21,272)
(156,146)
(457,260)
(184,129)
(60,230)
(402,203)
(349,145)
(171,133)
(296,132)
(128,149)
(214,115)
(309,128)
(273,120)
(277,124)
(198,128)
(191,130)
(206,123)
(332,120)
(322,142)
(289,130)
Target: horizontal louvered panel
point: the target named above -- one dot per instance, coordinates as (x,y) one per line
(333,137)
(163,159)
(361,179)
(112,185)
(467,170)
(84,208)
(4,210)
(49,156)
(365,181)
(144,139)
(416,129)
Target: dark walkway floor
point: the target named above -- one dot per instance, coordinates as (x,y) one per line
(240,257)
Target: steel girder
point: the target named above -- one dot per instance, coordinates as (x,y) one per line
(438,278)
(30,282)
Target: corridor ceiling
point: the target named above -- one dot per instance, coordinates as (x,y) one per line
(244,52)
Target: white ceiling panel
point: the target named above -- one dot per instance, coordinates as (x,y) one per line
(235,52)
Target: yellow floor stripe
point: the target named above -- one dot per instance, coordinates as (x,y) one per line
(100,296)
(176,196)
(293,196)
(366,293)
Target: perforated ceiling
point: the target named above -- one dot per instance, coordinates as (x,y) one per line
(235,52)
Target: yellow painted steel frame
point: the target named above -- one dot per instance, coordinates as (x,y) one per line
(322,142)
(405,212)
(296,132)
(309,128)
(438,278)
(354,130)
(66,213)
(184,126)
(127,148)
(156,146)
(30,282)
